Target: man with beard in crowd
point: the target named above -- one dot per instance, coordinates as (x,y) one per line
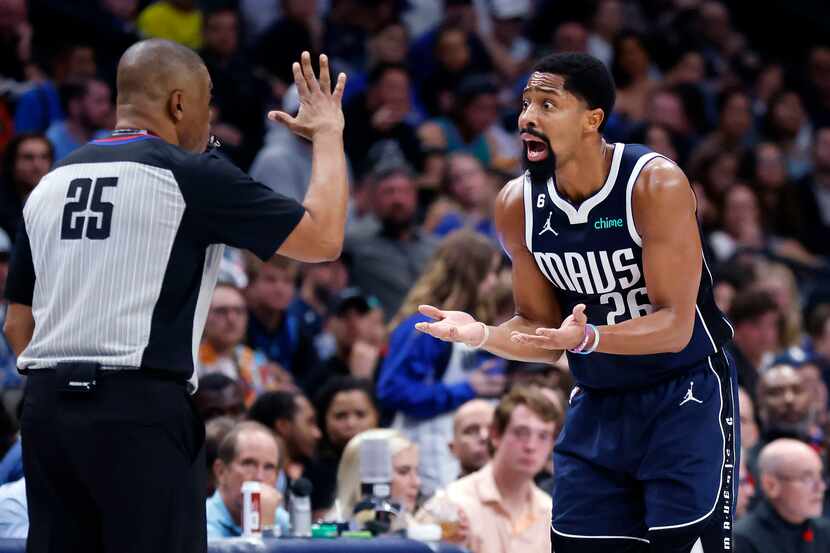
(608,265)
(389,259)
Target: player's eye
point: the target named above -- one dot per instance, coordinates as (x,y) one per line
(548,104)
(525,104)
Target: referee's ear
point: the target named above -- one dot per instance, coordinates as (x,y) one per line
(174,105)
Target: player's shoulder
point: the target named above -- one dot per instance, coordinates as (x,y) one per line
(511,196)
(658,174)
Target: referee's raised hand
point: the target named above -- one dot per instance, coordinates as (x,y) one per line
(320,107)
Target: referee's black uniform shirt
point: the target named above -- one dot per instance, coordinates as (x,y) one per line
(118,257)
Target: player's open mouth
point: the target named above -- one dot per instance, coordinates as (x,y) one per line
(537,149)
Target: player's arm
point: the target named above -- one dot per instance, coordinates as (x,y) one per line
(20,288)
(319,234)
(536,304)
(664,216)
(19,327)
(227,206)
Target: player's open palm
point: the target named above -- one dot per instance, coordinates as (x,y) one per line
(569,335)
(451,326)
(320,107)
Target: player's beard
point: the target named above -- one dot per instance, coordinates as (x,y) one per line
(539,171)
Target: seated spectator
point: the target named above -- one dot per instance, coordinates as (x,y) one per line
(470,435)
(817,349)
(215,431)
(284,162)
(292,418)
(176,20)
(273,329)
(14,515)
(635,75)
(787,125)
(779,282)
(222,349)
(41,106)
(239,97)
(469,202)
(746,490)
(27,158)
(88,109)
(814,197)
(356,326)
(750,434)
(297,30)
(405,480)
(386,261)
(442,58)
(777,195)
(248,453)
(219,396)
(11,465)
(471,127)
(788,519)
(506,510)
(424,380)
(321,282)
(345,407)
(783,410)
(381,113)
(9,377)
(756,319)
(734,133)
(783,404)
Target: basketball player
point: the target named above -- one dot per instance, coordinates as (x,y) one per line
(608,266)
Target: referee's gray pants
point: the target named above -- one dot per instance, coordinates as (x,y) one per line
(118,470)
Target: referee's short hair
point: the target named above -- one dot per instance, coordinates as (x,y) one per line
(229,446)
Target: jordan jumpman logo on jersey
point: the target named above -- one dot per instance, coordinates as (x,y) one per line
(547,226)
(690,396)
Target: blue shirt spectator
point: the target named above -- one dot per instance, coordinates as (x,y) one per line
(411,376)
(220,524)
(38,108)
(11,467)
(14,516)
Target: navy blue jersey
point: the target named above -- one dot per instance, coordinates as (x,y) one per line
(592,254)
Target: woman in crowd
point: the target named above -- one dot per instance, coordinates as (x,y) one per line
(345,407)
(425,380)
(405,480)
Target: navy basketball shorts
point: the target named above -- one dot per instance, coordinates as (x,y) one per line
(650,470)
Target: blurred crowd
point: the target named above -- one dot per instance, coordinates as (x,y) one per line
(319,354)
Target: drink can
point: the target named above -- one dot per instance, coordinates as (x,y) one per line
(251,508)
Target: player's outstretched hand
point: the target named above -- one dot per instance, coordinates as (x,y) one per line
(451,326)
(320,108)
(567,336)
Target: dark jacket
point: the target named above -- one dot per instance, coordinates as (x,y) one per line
(764,531)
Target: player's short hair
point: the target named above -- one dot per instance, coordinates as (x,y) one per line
(751,305)
(585,76)
(532,398)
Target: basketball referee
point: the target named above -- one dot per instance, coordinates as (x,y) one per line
(110,284)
